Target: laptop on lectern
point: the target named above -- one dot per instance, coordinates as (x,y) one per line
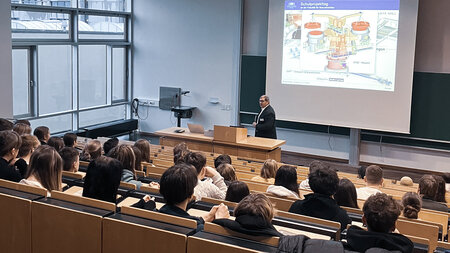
(196,128)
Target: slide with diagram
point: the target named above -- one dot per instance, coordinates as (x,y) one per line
(341,43)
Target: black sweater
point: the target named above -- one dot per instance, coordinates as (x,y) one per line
(249,225)
(323,207)
(8,172)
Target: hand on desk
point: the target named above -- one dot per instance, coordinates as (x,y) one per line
(217,212)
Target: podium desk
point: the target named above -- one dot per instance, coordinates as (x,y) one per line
(251,147)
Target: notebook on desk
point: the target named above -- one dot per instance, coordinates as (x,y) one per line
(196,128)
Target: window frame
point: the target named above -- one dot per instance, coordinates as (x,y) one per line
(75,42)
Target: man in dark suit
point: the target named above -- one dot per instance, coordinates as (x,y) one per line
(265,121)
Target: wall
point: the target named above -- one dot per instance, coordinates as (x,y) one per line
(6,110)
(191,44)
(432,55)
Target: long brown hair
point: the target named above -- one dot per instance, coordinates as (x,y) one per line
(144,147)
(46,166)
(125,155)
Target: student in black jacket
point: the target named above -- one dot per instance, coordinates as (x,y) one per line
(320,204)
(265,121)
(380,214)
(254,216)
(177,187)
(10,143)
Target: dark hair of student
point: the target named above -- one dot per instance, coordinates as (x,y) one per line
(314,165)
(69,139)
(221,159)
(9,140)
(5,124)
(287,177)
(196,159)
(125,155)
(323,181)
(29,143)
(92,150)
(110,144)
(227,172)
(102,179)
(440,193)
(346,194)
(22,129)
(177,183)
(144,147)
(56,142)
(179,152)
(411,205)
(428,186)
(381,212)
(256,205)
(362,171)
(374,174)
(138,158)
(69,156)
(23,121)
(41,132)
(46,167)
(237,190)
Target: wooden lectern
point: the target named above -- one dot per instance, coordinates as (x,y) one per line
(229,134)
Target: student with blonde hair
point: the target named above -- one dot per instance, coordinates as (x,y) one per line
(268,172)
(45,169)
(254,216)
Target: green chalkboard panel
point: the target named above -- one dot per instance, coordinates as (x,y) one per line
(430,111)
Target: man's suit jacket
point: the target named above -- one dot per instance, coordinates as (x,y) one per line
(265,125)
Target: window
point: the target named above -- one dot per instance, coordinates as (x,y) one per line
(55,78)
(65,78)
(21,81)
(119,69)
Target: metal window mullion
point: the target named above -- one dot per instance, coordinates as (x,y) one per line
(129,52)
(34,74)
(109,59)
(75,70)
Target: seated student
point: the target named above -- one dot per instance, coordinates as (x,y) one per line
(10,143)
(374,181)
(70,158)
(23,121)
(406,181)
(6,124)
(285,183)
(221,159)
(268,172)
(380,214)
(227,172)
(126,156)
(440,193)
(428,189)
(346,194)
(45,169)
(92,150)
(320,204)
(362,171)
(179,152)
(56,142)
(214,186)
(237,190)
(138,158)
(103,179)
(254,216)
(312,167)
(70,140)
(411,205)
(42,133)
(22,129)
(110,144)
(29,144)
(144,147)
(177,187)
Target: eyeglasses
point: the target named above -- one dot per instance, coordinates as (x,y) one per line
(262,101)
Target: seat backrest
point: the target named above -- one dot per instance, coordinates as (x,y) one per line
(175,220)
(254,186)
(219,201)
(23,188)
(282,204)
(421,241)
(436,217)
(73,175)
(420,230)
(127,186)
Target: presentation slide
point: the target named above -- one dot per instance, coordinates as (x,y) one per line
(341,43)
(347,63)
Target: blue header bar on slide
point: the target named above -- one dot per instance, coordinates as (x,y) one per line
(342,5)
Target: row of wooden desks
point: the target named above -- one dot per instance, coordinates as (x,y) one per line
(251,147)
